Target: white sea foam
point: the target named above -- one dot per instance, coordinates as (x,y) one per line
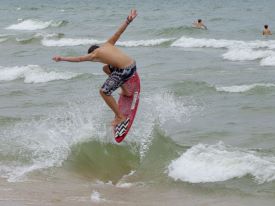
(242,88)
(268,61)
(45,143)
(33,74)
(3,39)
(145,43)
(17,173)
(46,35)
(213,163)
(69,42)
(237,50)
(122,184)
(96,197)
(187,42)
(30,25)
(247,54)
(75,42)
(33,24)
(163,108)
(169,107)
(39,35)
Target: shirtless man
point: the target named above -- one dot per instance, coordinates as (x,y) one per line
(266,30)
(199,24)
(119,66)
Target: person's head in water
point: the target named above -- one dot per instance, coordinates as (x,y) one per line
(92,48)
(266,30)
(198,24)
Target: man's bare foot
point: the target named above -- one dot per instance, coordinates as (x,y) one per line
(118,120)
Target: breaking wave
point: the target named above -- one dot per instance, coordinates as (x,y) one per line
(237,50)
(33,74)
(213,163)
(31,24)
(243,88)
(76,42)
(77,133)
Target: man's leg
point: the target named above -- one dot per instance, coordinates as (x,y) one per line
(111,102)
(106,70)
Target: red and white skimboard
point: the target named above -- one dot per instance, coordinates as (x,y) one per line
(128,106)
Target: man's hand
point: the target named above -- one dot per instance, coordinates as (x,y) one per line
(131,16)
(122,28)
(57,58)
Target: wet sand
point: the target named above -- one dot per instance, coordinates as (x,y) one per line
(78,191)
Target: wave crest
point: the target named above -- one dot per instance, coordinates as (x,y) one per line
(237,50)
(81,133)
(214,163)
(242,88)
(76,42)
(31,24)
(33,74)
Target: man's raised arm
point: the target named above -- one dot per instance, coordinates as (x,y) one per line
(122,28)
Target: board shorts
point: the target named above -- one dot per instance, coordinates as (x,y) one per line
(117,78)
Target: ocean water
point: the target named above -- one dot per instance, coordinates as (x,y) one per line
(205,124)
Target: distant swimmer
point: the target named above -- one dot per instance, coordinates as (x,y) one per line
(117,65)
(198,24)
(266,30)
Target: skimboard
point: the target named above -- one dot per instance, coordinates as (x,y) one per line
(128,106)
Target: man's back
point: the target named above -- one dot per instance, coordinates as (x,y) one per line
(111,55)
